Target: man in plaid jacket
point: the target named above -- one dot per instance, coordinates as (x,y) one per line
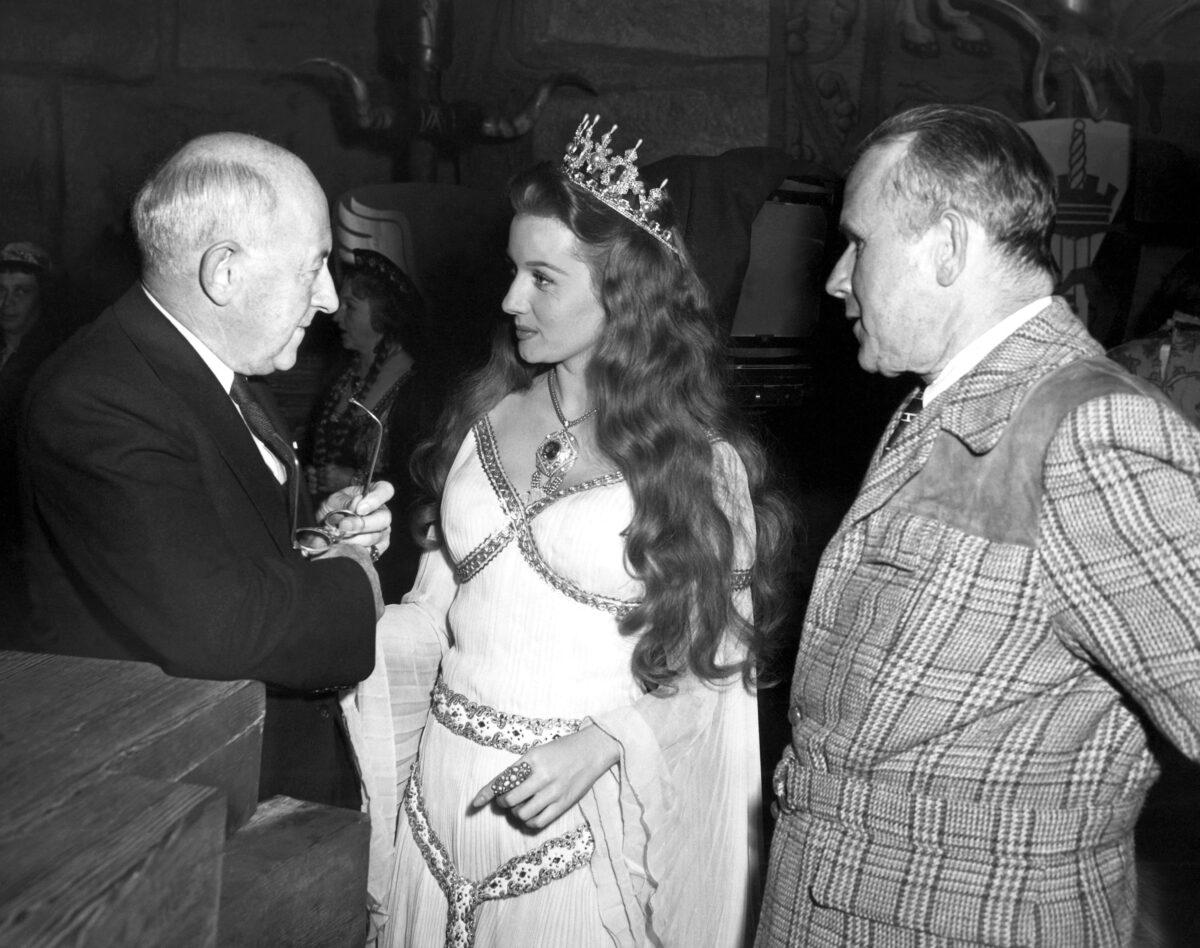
(1012,601)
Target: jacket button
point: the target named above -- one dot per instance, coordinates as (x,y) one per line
(794,715)
(324,712)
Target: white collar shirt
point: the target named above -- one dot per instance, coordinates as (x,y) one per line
(977,350)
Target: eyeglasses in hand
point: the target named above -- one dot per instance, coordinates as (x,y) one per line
(339,524)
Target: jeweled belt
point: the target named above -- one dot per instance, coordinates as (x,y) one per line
(520,875)
(492,728)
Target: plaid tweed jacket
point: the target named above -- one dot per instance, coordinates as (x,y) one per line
(1014,594)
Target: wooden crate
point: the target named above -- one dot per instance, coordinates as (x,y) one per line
(75,721)
(129,816)
(102,842)
(125,861)
(296,875)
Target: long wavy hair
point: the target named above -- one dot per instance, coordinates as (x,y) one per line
(658,380)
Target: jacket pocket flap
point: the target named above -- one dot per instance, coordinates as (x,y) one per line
(976,897)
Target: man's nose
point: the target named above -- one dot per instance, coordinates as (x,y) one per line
(325,296)
(838,284)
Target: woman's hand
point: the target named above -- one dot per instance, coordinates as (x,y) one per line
(562,772)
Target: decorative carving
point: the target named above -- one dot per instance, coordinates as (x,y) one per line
(822,107)
(1091,162)
(423,125)
(920,40)
(1092,41)
(1093,56)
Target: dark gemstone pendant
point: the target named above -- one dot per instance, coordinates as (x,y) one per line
(554,457)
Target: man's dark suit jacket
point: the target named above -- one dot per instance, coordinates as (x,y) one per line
(157,533)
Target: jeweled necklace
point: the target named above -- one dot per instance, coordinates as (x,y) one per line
(559,450)
(336,420)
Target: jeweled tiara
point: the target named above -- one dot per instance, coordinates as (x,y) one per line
(614,178)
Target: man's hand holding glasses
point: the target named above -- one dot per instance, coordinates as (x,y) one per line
(355,515)
(351,517)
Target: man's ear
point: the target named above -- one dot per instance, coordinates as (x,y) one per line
(219,271)
(950,248)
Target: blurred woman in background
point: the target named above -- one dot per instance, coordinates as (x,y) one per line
(380,316)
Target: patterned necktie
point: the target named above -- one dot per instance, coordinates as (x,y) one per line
(260,422)
(907,416)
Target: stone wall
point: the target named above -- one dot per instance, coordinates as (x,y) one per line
(93,95)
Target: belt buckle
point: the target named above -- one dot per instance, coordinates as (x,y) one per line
(780,779)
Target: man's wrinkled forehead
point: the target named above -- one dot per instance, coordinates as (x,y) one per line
(877,168)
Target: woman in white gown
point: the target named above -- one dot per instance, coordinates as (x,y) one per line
(588,770)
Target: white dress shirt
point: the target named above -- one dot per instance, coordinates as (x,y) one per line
(976,350)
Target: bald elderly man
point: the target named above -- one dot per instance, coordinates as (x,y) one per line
(162,493)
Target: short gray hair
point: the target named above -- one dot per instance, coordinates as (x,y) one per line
(980,163)
(214,187)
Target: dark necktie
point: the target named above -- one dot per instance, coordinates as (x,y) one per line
(260,422)
(907,416)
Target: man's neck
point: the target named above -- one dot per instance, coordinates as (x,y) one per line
(990,292)
(978,348)
(215,363)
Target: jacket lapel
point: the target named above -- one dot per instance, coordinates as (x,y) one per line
(977,407)
(890,470)
(182,370)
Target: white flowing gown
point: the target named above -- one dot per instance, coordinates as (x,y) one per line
(519,608)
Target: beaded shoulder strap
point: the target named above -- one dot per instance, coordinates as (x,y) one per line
(518,527)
